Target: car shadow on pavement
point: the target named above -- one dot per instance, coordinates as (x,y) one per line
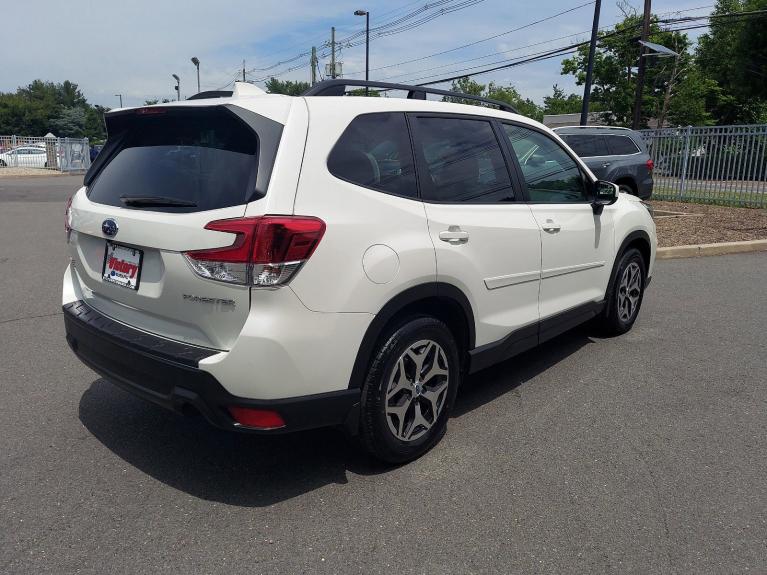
(485,386)
(190,455)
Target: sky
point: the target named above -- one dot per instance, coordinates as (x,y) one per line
(132,47)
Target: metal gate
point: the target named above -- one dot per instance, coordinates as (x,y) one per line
(710,164)
(30,154)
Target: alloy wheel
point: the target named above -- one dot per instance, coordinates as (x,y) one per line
(417,390)
(629,292)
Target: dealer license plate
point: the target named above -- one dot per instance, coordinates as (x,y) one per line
(122,265)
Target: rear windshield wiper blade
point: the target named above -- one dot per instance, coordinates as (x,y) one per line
(156,201)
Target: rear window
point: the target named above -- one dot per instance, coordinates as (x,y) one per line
(621,145)
(200,159)
(587,145)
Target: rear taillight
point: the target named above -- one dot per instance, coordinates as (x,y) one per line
(650,165)
(68,217)
(267,250)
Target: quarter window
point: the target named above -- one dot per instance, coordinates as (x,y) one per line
(552,176)
(464,162)
(621,145)
(587,146)
(374,151)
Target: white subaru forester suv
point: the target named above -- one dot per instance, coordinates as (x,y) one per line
(282,263)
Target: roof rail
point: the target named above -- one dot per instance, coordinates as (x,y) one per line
(414,92)
(593,126)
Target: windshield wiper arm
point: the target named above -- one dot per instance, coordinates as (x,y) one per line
(156,201)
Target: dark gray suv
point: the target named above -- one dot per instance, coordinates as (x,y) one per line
(614,154)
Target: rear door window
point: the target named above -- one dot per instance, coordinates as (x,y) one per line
(374,152)
(196,159)
(621,145)
(463,161)
(587,145)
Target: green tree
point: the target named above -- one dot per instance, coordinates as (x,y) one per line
(70,123)
(288,87)
(43,107)
(507,94)
(732,54)
(614,79)
(151,102)
(558,103)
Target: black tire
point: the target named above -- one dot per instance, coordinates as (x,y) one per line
(615,320)
(2,164)
(377,433)
(627,188)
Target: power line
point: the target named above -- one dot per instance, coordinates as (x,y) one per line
(396,26)
(482,40)
(573,47)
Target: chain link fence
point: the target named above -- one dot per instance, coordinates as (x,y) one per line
(710,164)
(28,154)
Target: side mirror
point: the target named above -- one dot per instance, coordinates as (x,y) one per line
(605,193)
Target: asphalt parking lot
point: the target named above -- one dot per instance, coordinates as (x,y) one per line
(640,454)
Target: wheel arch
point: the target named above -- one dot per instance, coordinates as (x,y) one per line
(638,239)
(444,301)
(629,181)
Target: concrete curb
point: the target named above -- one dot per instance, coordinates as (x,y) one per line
(711,249)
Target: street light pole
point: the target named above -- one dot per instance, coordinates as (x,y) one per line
(196,63)
(366,14)
(178,87)
(121,99)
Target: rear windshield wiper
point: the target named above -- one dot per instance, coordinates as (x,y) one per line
(156,201)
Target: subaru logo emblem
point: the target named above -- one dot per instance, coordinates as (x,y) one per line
(109,227)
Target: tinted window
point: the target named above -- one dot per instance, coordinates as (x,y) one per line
(374,151)
(206,157)
(464,162)
(621,145)
(587,145)
(550,173)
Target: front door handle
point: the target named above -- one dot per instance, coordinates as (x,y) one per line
(606,164)
(454,235)
(551,226)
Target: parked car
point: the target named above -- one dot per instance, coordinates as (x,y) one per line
(281,263)
(24,157)
(615,154)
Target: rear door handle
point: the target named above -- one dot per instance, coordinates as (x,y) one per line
(551,226)
(454,235)
(606,164)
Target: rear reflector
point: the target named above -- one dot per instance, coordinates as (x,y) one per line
(267,250)
(257,418)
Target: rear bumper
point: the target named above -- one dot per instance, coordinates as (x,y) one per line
(166,373)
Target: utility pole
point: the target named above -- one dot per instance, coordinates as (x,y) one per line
(333,52)
(590,67)
(243,70)
(314,65)
(640,69)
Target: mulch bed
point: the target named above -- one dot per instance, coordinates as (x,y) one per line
(709,225)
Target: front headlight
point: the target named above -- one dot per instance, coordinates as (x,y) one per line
(649,208)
